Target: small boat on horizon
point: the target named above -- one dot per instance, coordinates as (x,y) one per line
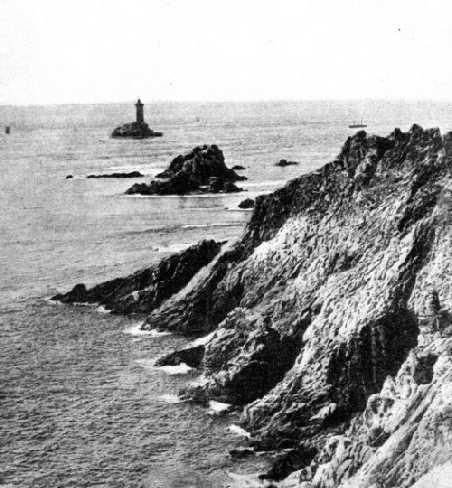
(357,125)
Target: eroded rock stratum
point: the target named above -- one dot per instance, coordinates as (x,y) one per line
(331,316)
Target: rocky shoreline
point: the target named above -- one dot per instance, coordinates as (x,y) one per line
(330,320)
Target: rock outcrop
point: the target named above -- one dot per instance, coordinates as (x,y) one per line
(330,320)
(247,203)
(201,170)
(135,130)
(146,289)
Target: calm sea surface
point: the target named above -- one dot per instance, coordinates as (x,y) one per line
(80,403)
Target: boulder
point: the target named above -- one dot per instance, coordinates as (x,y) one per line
(191,356)
(247,203)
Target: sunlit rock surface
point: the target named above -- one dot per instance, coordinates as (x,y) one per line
(331,311)
(330,319)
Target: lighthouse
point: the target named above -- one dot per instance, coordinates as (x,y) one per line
(140,116)
(138,129)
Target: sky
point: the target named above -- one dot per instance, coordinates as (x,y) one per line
(102,51)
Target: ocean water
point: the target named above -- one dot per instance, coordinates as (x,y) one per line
(81,404)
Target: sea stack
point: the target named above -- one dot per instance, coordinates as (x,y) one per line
(136,130)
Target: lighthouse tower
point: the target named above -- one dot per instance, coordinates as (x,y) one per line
(140,115)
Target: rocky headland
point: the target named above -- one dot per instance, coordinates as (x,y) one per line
(202,170)
(329,323)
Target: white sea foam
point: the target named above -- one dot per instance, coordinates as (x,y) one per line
(136,331)
(217,407)
(170,398)
(235,429)
(182,368)
(245,480)
(49,301)
(102,309)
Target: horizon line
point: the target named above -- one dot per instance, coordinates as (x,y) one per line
(256,101)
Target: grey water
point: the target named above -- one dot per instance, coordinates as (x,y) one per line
(80,403)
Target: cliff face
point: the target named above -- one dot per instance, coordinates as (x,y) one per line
(319,308)
(330,318)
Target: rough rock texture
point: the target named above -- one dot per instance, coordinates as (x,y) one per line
(191,356)
(135,130)
(330,319)
(318,311)
(147,289)
(203,169)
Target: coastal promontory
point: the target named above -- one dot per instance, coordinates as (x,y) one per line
(202,170)
(329,323)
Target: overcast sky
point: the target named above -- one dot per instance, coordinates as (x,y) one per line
(77,51)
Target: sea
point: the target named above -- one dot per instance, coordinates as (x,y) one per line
(81,402)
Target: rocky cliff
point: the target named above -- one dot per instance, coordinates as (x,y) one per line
(330,319)
(332,316)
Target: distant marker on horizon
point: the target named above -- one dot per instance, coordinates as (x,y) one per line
(138,129)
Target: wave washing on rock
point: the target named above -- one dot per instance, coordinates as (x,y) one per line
(333,318)
(201,170)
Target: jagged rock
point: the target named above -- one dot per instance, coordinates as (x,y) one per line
(343,261)
(147,289)
(283,162)
(132,174)
(135,130)
(290,461)
(241,452)
(191,356)
(332,315)
(247,203)
(203,169)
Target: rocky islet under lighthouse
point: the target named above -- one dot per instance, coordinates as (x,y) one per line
(136,130)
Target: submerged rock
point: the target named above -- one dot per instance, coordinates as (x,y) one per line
(132,174)
(241,453)
(283,162)
(201,170)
